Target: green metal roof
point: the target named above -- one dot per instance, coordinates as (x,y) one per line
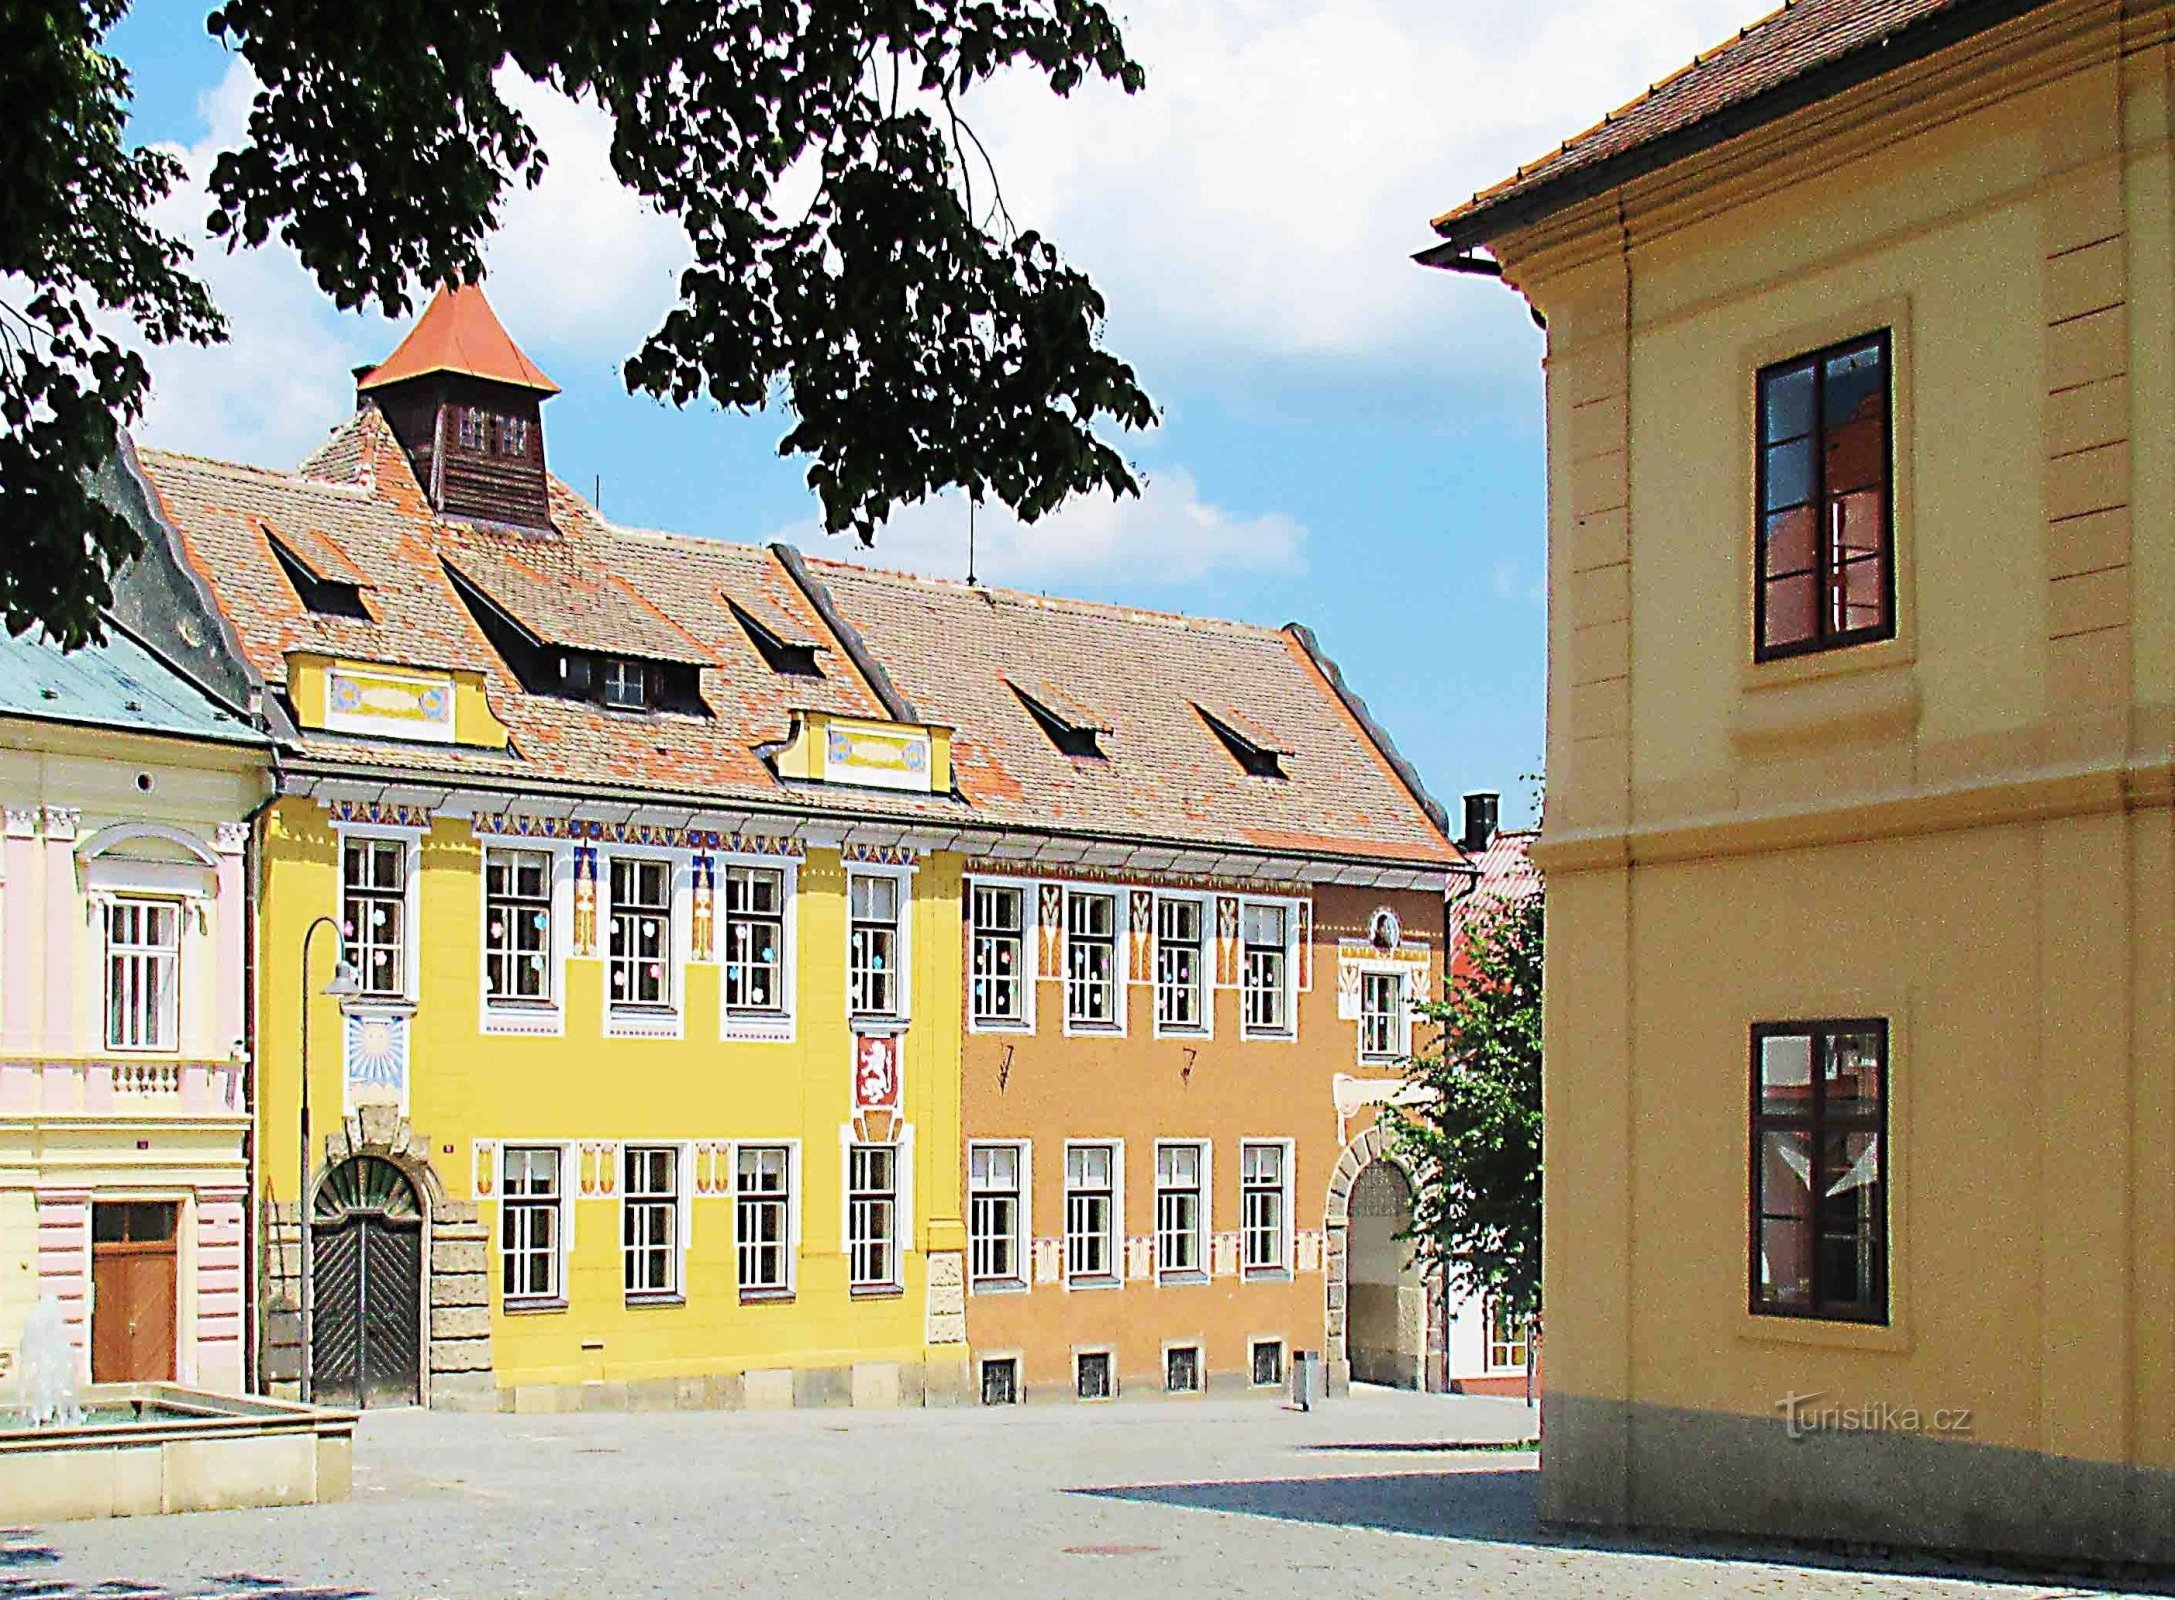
(118,684)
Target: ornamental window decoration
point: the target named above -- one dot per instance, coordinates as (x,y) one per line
(517,925)
(1091,959)
(1382,1016)
(1261,1207)
(1266,968)
(374,914)
(997,985)
(641,959)
(1181,966)
(872,1216)
(1090,1212)
(761,1190)
(873,946)
(650,1227)
(143,957)
(529,1224)
(993,1213)
(754,941)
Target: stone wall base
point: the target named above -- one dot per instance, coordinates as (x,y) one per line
(865,1385)
(1616,1464)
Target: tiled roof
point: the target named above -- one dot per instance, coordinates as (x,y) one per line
(1162,774)
(953,651)
(1770,67)
(117,684)
(459,332)
(1506,872)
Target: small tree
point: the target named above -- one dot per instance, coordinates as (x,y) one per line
(1475,1138)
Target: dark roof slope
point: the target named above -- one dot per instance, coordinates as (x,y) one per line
(1803,53)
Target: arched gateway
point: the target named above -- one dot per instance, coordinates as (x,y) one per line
(367,1253)
(1385,1315)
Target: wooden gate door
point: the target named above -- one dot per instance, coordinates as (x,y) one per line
(367,1272)
(134,1281)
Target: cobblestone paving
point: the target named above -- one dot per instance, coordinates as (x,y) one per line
(1360,1498)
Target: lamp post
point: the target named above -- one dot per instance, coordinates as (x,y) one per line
(342,984)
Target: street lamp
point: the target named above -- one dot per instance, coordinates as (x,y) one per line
(342,984)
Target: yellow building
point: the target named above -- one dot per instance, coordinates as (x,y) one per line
(608,896)
(1860,857)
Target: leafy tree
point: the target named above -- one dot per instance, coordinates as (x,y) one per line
(853,256)
(1476,1138)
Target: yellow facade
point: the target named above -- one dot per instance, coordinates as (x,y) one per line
(1964,830)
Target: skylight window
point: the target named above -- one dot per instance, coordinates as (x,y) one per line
(325,586)
(785,649)
(1252,746)
(1072,727)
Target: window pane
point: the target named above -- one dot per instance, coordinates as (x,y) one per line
(1857,385)
(1786,398)
(1793,611)
(1861,595)
(1790,542)
(1785,1174)
(1786,1073)
(1851,1075)
(1857,454)
(1789,475)
(1786,1262)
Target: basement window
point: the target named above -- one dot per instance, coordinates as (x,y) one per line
(1071,726)
(1251,746)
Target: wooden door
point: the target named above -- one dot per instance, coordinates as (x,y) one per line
(134,1283)
(367,1287)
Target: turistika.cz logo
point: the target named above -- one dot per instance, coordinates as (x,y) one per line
(1805,1414)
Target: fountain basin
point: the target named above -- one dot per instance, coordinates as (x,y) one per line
(145,1448)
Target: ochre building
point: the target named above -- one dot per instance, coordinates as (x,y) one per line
(1861,746)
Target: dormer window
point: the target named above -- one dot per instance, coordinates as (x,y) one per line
(626,684)
(1253,747)
(785,649)
(492,433)
(1072,727)
(326,582)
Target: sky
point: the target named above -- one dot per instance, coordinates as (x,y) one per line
(1346,440)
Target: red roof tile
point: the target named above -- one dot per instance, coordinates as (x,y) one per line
(459,332)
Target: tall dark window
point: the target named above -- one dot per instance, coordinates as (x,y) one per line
(1827,516)
(1820,1170)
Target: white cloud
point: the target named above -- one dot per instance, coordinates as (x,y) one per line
(1168,536)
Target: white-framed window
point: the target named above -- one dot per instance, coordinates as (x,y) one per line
(876,944)
(642,946)
(626,683)
(997,1178)
(872,1216)
(1000,987)
(763,1217)
(1092,1177)
(1094,991)
(143,969)
(650,1221)
(1507,1335)
(1181,1210)
(1265,974)
(1264,1207)
(517,951)
(1265,1362)
(530,1225)
(374,913)
(755,948)
(1385,1020)
(1181,966)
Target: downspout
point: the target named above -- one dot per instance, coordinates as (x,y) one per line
(253,1288)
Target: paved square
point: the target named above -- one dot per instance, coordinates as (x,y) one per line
(1199,1498)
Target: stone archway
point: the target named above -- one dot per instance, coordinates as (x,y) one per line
(1384,1322)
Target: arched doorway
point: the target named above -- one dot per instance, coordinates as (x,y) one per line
(367,1286)
(1387,1327)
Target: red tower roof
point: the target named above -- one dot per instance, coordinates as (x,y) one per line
(459,332)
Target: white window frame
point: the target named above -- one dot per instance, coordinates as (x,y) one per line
(534,1017)
(1400,1019)
(645,677)
(1289,1031)
(893,1280)
(1282,1270)
(777,1027)
(639,1019)
(1489,1305)
(1204,1192)
(163,962)
(793,1180)
(1115,1277)
(562,1207)
(1205,908)
(1030,955)
(1120,968)
(902,977)
(1023,1234)
(411,868)
(674,1293)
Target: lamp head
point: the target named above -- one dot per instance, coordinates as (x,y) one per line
(344,983)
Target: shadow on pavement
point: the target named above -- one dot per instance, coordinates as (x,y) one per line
(1499,1507)
(21,1551)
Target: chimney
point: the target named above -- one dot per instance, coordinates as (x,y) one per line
(358,374)
(1481,811)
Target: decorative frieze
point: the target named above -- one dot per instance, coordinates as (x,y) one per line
(880,855)
(1134,878)
(378,814)
(654,836)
